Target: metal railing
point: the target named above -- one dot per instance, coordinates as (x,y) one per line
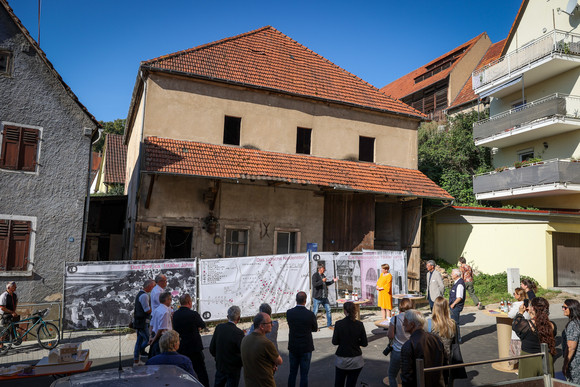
(558,105)
(540,173)
(552,42)
(420,369)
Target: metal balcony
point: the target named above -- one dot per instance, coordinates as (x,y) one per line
(545,178)
(553,53)
(548,116)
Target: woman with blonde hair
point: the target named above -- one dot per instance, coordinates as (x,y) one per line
(384,283)
(442,325)
(516,343)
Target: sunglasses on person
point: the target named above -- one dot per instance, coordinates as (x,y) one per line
(564,307)
(268,323)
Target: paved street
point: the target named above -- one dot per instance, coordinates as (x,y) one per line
(479,343)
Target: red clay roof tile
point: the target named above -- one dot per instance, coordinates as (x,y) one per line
(226,162)
(115,159)
(266,58)
(406,84)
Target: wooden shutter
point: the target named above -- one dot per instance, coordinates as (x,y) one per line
(10,148)
(19,246)
(4,242)
(29,149)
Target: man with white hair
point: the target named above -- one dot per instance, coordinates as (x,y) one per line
(225,346)
(421,345)
(435,287)
(161,284)
(457,298)
(8,304)
(169,343)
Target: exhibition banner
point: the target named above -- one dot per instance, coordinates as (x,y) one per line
(358,272)
(102,294)
(250,281)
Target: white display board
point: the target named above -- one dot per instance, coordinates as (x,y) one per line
(250,281)
(359,272)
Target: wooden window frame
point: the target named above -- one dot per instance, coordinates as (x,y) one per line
(7,243)
(227,242)
(287,231)
(24,163)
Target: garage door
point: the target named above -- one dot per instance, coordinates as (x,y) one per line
(566,259)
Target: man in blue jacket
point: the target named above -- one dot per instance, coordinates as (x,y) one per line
(302,322)
(169,343)
(457,298)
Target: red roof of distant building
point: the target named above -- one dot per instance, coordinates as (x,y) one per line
(466,94)
(406,84)
(115,159)
(227,162)
(268,59)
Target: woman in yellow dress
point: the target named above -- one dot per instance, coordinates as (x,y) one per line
(385,293)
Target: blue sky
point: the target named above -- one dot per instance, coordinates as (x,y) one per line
(97,45)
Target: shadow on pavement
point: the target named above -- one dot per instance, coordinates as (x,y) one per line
(478,332)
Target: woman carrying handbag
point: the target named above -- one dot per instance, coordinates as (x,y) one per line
(397,337)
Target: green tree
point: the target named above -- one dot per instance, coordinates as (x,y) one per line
(449,157)
(115,127)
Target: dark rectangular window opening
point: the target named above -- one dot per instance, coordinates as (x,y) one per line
(303,138)
(5,62)
(232,130)
(366,149)
(178,242)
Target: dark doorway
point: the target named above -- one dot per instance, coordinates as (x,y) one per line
(566,252)
(178,242)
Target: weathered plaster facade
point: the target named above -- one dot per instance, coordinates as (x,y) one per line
(54,195)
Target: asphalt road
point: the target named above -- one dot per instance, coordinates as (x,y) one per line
(479,343)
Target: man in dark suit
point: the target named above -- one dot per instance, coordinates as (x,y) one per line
(320,286)
(225,346)
(187,323)
(302,322)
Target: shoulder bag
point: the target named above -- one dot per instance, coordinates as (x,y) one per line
(389,348)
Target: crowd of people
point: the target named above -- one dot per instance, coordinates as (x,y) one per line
(173,337)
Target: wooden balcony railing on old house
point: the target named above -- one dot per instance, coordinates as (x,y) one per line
(549,177)
(548,116)
(560,45)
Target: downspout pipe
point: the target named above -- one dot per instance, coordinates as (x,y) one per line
(95,136)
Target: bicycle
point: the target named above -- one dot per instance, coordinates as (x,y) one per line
(47,334)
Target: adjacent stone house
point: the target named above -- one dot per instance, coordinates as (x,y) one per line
(45,165)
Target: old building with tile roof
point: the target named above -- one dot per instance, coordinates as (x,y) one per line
(255,145)
(112,169)
(432,87)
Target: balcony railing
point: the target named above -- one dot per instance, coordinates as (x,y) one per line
(541,173)
(555,105)
(553,42)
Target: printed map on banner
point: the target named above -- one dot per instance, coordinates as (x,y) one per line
(250,281)
(359,272)
(102,294)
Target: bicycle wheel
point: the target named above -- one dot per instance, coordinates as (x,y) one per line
(48,335)
(5,340)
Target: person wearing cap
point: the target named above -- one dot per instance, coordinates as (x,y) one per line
(8,304)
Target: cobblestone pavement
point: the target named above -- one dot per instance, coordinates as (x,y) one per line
(478,332)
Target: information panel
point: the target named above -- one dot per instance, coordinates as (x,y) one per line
(102,294)
(359,272)
(250,281)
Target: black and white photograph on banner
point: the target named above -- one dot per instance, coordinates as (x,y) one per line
(101,294)
(250,281)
